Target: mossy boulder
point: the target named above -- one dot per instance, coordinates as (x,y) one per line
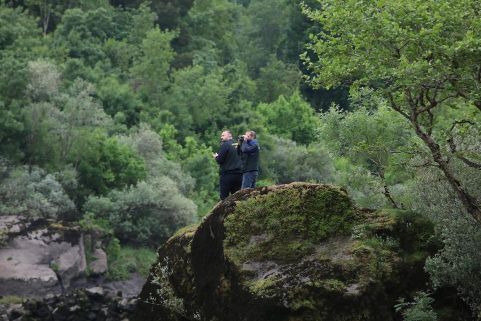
(295,252)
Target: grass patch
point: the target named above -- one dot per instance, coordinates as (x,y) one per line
(126,260)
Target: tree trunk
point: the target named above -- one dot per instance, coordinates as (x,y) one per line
(468,201)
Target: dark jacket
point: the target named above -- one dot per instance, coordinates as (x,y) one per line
(250,155)
(228,158)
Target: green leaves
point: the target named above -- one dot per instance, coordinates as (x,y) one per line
(291,118)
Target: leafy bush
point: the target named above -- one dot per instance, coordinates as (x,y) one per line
(33,192)
(148,145)
(106,164)
(146,214)
(419,310)
(286,161)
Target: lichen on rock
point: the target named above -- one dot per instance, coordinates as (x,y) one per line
(289,252)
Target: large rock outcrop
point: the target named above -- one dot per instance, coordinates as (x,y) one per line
(291,252)
(39,258)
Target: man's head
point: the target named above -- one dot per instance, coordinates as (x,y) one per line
(226,135)
(250,135)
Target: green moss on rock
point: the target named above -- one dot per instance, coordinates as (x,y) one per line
(286,225)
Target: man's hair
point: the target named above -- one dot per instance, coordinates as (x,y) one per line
(227,131)
(252,133)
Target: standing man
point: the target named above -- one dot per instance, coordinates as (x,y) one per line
(250,159)
(229,160)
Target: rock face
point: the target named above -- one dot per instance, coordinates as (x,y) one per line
(291,252)
(38,258)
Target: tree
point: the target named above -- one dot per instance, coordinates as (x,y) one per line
(424,57)
(284,161)
(81,115)
(211,25)
(82,33)
(275,79)
(151,68)
(44,80)
(377,140)
(104,164)
(291,118)
(198,101)
(119,98)
(20,42)
(262,32)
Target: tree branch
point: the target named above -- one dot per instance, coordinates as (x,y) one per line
(454,149)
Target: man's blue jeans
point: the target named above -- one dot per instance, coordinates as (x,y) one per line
(249,179)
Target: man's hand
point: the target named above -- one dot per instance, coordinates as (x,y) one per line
(215,155)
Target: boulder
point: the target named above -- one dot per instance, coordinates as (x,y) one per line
(295,252)
(99,262)
(39,258)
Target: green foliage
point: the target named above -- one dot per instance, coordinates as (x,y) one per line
(119,98)
(420,50)
(456,263)
(277,79)
(19,43)
(196,159)
(151,67)
(105,164)
(147,213)
(374,147)
(262,32)
(213,23)
(364,187)
(419,310)
(34,193)
(123,261)
(284,161)
(278,117)
(198,100)
(149,145)
(85,43)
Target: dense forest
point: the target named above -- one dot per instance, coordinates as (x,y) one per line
(110,112)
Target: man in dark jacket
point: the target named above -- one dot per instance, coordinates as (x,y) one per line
(250,158)
(229,160)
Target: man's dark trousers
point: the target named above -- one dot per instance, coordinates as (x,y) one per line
(229,184)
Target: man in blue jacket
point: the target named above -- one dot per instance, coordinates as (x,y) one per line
(250,158)
(230,163)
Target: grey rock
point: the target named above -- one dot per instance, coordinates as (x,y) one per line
(99,264)
(39,261)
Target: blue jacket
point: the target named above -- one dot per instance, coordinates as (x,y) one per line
(250,155)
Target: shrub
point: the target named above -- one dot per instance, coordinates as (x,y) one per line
(146,214)
(419,310)
(33,193)
(286,162)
